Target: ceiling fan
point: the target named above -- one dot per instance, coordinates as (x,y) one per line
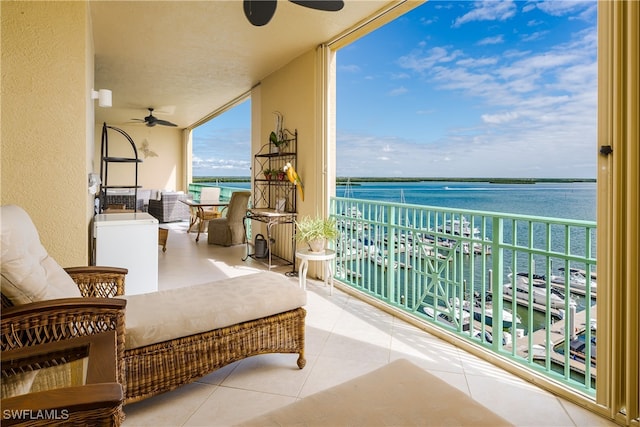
(152,120)
(260,12)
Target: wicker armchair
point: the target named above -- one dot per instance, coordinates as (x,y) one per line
(47,310)
(70,382)
(45,323)
(60,319)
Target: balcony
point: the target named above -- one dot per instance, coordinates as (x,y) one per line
(346,338)
(529,281)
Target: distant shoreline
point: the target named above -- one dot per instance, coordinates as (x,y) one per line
(341,180)
(352,180)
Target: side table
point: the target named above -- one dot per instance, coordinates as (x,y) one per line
(305,255)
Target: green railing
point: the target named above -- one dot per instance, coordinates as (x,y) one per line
(225,192)
(530,281)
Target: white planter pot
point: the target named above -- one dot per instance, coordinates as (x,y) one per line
(317,245)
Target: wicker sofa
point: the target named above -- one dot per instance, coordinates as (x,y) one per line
(127,198)
(169,208)
(168,338)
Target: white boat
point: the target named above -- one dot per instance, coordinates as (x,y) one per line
(384,262)
(577,280)
(449,319)
(538,289)
(507,339)
(507,316)
(460,227)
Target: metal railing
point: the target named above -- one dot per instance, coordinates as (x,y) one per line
(225,192)
(521,286)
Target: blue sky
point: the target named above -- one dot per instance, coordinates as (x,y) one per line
(454,89)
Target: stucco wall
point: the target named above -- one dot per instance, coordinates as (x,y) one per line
(292,91)
(164,170)
(46,61)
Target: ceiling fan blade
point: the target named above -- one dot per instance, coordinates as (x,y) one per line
(164,123)
(259,12)
(326,5)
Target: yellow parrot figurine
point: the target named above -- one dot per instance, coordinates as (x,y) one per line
(292,175)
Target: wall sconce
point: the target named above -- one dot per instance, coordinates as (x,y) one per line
(103,96)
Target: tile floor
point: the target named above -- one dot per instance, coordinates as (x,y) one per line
(345,338)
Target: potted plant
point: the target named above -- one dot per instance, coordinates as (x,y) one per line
(278,141)
(316,232)
(268,173)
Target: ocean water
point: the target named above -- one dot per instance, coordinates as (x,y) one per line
(573,201)
(555,200)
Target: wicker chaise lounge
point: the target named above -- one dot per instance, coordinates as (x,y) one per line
(167,338)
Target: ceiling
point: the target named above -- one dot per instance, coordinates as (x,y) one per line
(187,59)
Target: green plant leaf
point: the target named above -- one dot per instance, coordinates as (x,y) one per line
(313,228)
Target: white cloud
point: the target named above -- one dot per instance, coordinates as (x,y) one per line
(534,36)
(565,7)
(400,76)
(223,152)
(488,11)
(350,68)
(499,118)
(538,110)
(398,91)
(437,55)
(499,39)
(477,62)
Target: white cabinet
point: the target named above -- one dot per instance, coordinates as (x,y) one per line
(129,240)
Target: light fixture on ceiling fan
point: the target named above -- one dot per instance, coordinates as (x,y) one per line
(260,12)
(152,120)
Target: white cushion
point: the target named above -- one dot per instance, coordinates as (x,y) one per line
(210,194)
(165,315)
(28,273)
(17,384)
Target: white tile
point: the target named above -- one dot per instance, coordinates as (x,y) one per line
(269,373)
(331,371)
(345,338)
(168,409)
(229,406)
(583,417)
(517,401)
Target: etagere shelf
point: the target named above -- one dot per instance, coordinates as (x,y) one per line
(106,159)
(274,196)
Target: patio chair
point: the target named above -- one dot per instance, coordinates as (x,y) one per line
(205,214)
(68,382)
(173,337)
(229,230)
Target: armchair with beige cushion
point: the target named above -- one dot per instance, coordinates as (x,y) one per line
(168,338)
(69,382)
(207,213)
(229,230)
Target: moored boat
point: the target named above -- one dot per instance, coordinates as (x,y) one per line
(577,280)
(537,289)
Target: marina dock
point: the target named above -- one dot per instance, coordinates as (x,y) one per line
(557,336)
